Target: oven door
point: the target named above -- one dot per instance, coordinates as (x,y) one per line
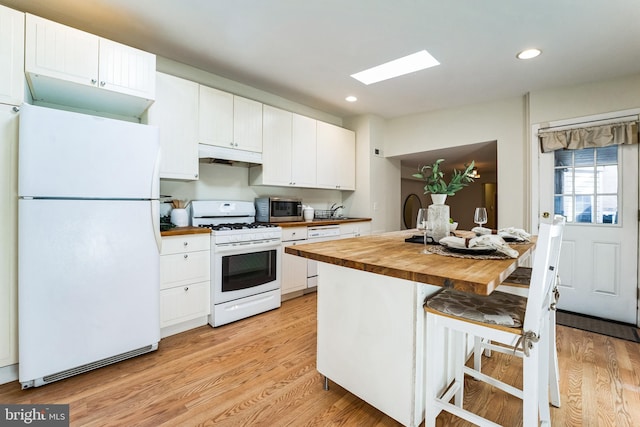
(243,269)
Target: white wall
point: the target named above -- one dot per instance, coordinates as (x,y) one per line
(584,100)
(224,182)
(503,121)
(377,192)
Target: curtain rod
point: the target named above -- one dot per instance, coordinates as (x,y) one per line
(578,125)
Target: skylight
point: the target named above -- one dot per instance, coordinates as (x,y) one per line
(398,67)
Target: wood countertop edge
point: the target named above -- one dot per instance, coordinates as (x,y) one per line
(400,273)
(180,231)
(347,261)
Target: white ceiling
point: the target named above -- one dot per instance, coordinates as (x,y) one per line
(306,50)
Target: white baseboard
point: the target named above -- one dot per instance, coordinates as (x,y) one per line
(8,373)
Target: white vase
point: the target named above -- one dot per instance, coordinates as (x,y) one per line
(439,217)
(439,220)
(438,199)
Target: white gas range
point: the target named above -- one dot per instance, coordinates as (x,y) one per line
(245,259)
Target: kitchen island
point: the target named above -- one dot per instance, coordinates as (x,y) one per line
(371,290)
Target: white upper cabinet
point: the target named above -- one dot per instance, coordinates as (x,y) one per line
(303,164)
(288,150)
(215,117)
(175,113)
(229,121)
(70,67)
(247,124)
(276,149)
(11,56)
(336,157)
(126,70)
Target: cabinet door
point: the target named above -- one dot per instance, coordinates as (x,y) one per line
(126,70)
(303,164)
(247,124)
(335,157)
(184,303)
(55,50)
(215,124)
(184,268)
(294,271)
(276,148)
(175,113)
(8,231)
(11,56)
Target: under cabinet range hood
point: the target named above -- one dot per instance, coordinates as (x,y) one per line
(231,156)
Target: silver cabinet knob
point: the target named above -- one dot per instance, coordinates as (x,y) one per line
(102,83)
(93,81)
(186,288)
(186,256)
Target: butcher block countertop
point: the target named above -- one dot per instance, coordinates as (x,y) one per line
(332,221)
(388,254)
(179,231)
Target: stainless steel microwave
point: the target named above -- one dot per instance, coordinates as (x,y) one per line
(278,209)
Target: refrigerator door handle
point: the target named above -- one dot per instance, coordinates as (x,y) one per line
(155,222)
(155,177)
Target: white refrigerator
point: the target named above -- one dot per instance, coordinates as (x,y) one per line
(88,243)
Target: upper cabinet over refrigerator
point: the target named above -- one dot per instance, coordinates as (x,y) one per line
(70,67)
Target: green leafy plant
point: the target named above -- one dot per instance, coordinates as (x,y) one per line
(435,182)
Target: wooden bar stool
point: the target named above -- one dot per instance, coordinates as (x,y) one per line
(499,318)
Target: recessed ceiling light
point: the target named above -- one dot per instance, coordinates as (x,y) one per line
(351,98)
(529,53)
(398,67)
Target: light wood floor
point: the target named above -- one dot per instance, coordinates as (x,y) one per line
(261,372)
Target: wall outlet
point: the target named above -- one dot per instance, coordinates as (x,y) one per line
(377,152)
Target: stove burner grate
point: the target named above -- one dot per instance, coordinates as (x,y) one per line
(237,226)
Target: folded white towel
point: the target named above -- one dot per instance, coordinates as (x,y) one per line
(508,233)
(489,241)
(515,233)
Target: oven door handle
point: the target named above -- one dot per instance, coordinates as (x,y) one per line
(244,247)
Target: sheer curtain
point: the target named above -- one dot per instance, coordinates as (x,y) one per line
(589,137)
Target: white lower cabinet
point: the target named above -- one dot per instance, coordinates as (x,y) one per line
(355,229)
(299,274)
(184,282)
(294,268)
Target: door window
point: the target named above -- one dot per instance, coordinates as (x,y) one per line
(586,185)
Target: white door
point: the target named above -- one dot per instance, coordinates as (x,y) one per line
(597,191)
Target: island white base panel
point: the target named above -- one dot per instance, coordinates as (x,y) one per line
(371,338)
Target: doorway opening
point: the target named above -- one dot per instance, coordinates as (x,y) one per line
(483,192)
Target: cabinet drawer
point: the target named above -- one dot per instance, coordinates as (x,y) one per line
(184,268)
(294,233)
(186,243)
(184,303)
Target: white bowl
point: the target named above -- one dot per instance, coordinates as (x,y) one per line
(453,226)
